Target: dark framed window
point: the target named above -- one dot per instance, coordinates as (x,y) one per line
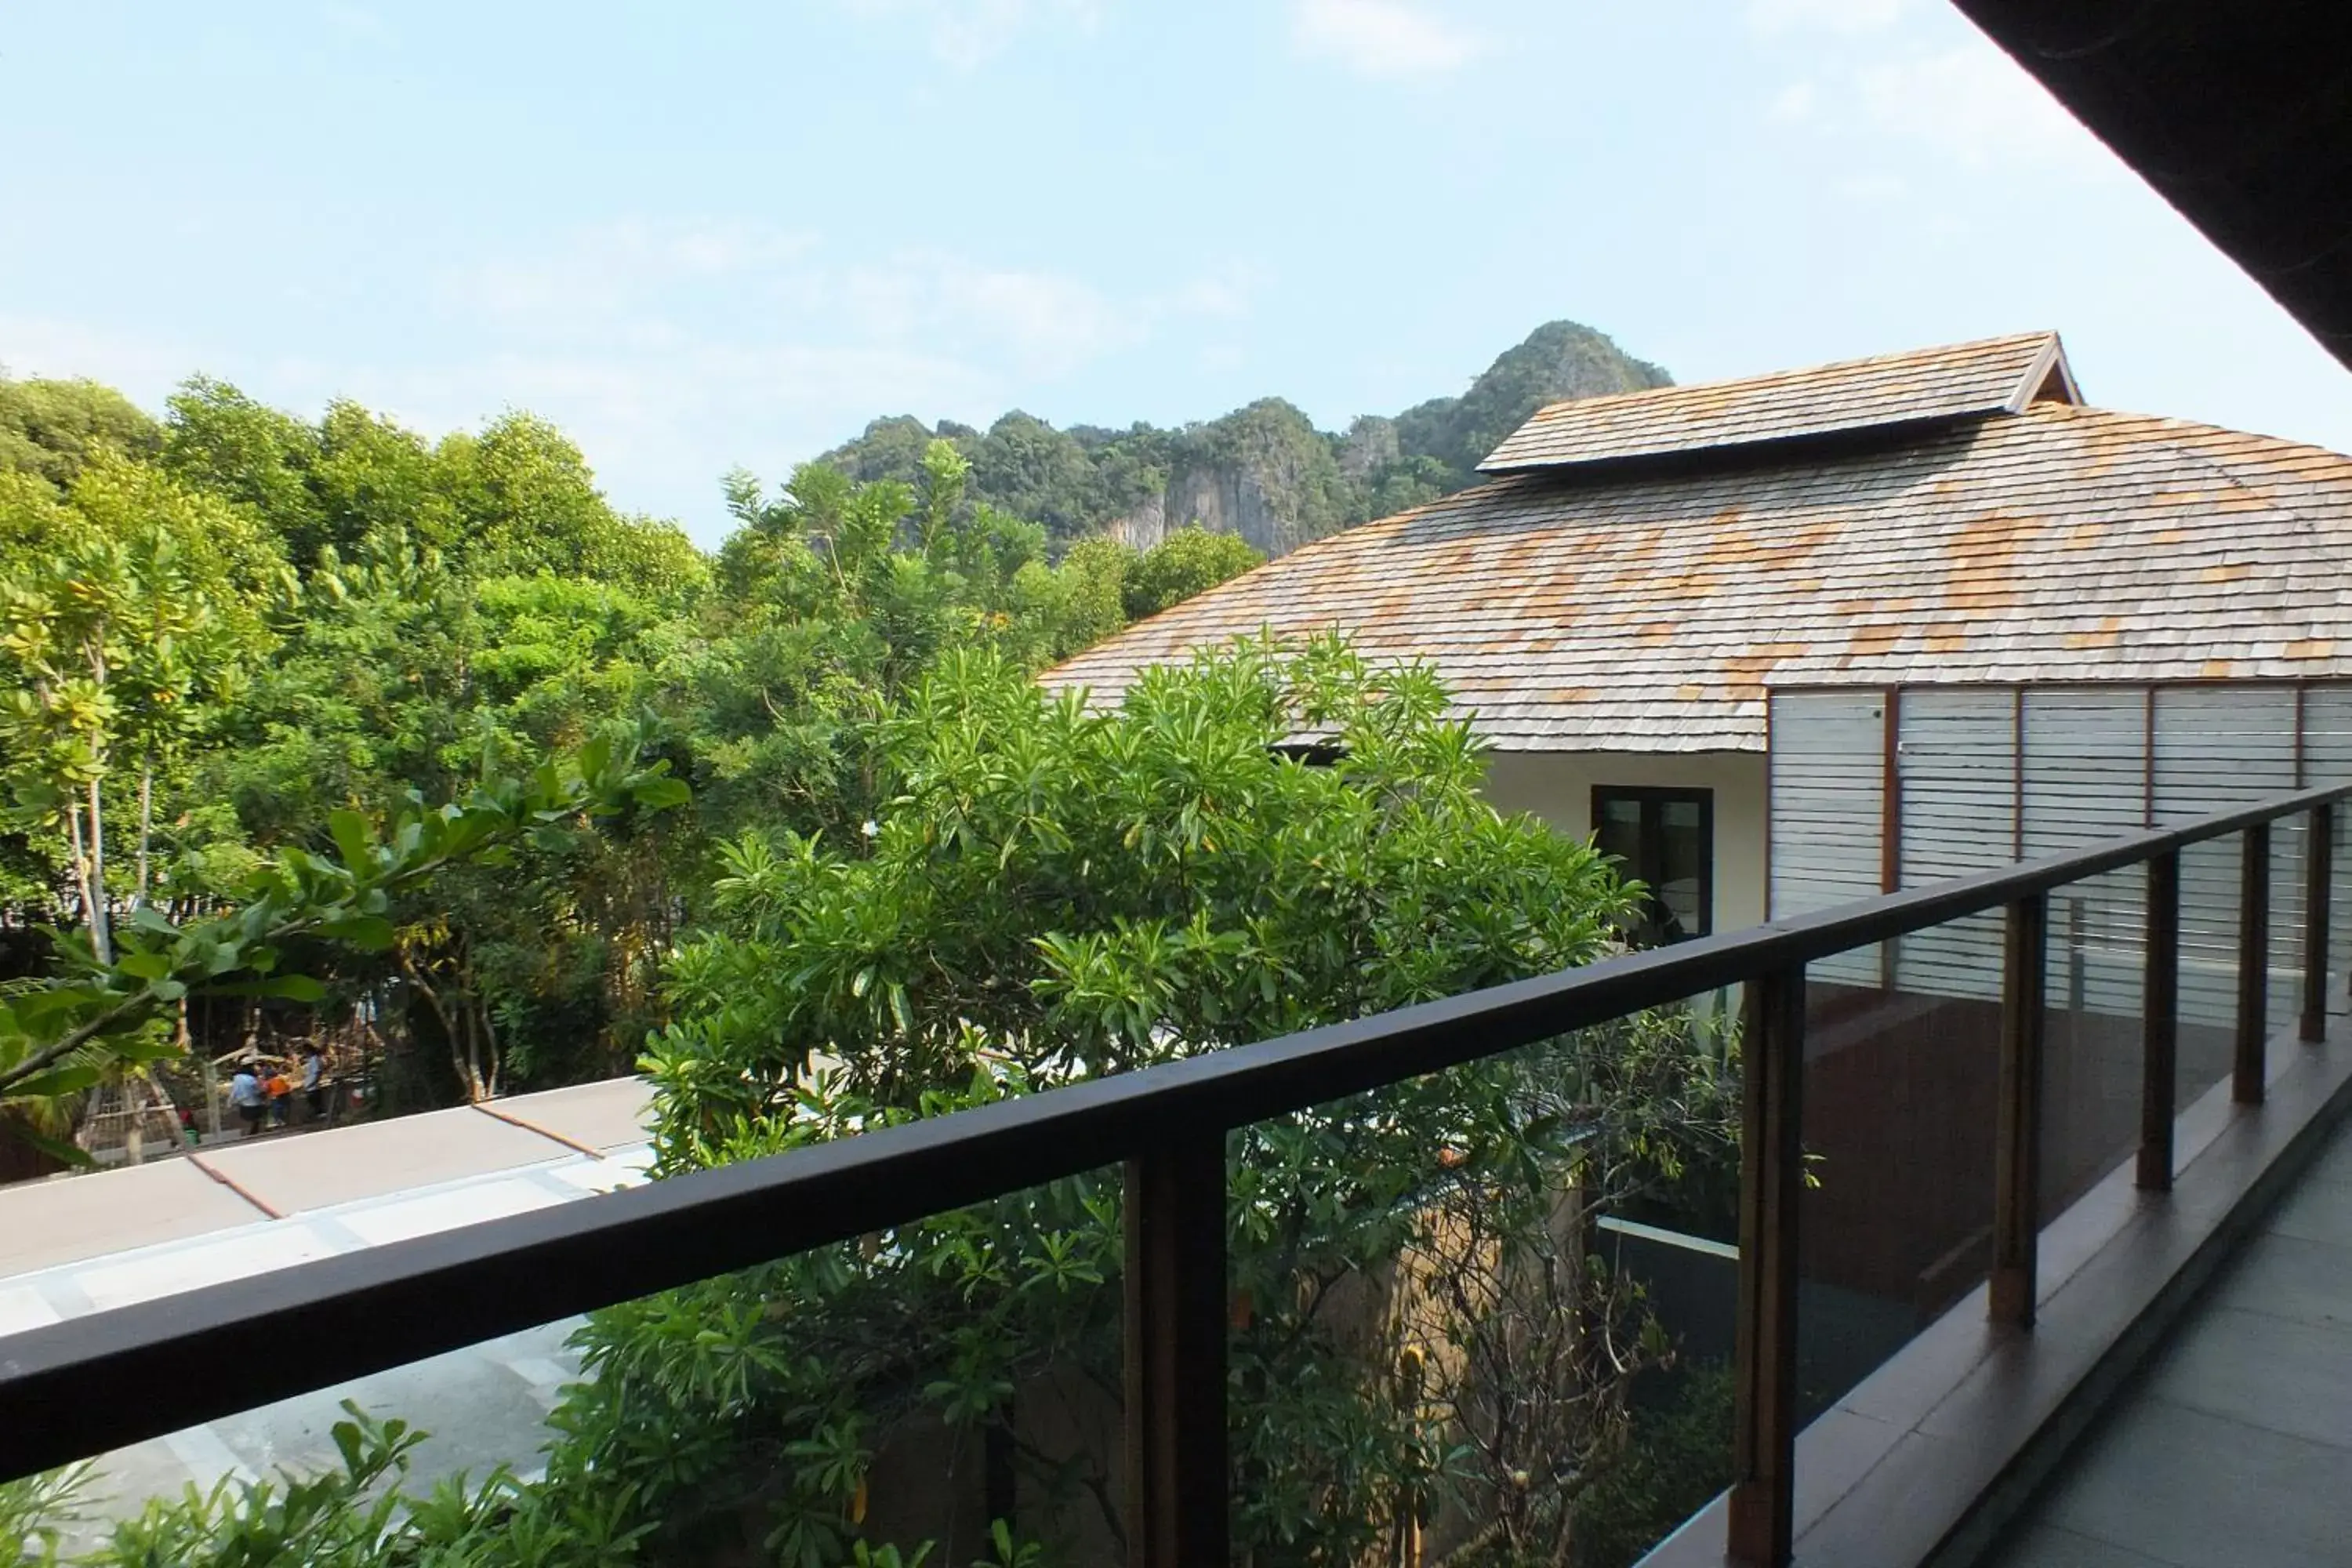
(1664,839)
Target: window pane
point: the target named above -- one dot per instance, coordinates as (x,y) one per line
(1681,877)
(1617,831)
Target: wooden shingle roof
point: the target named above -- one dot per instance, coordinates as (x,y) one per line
(1964,380)
(1645,610)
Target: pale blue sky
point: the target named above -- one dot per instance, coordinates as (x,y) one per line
(700,235)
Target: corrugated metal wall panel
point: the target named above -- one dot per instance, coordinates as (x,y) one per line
(2086,780)
(1957,765)
(1827,799)
(2086,775)
(2085,765)
(2219,746)
(2327,759)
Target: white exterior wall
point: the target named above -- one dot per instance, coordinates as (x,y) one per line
(1558,788)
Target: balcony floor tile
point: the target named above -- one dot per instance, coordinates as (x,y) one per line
(2202,1491)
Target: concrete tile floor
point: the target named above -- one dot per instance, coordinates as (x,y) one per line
(2235,1450)
(483,1405)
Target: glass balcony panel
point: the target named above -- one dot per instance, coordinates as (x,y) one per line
(2209,965)
(2093,1028)
(1902,1054)
(911,1387)
(1490,1308)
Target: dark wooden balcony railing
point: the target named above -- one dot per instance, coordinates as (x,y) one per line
(67,1391)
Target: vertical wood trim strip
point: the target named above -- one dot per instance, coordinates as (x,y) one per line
(2159,1024)
(2017,774)
(2319,874)
(1890,794)
(2017,1150)
(2301,689)
(1762,1511)
(2147,757)
(2253,963)
(1771,847)
(1176,1317)
(1890,817)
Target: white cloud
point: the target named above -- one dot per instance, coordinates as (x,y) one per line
(1831,16)
(969,32)
(1872,188)
(144,367)
(671,350)
(1224,293)
(1795,102)
(657,286)
(1976,106)
(606,268)
(1052,325)
(1386,39)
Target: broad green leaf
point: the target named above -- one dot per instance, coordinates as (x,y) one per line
(57,1081)
(370,932)
(351,838)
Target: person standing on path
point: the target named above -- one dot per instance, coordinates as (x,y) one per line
(245,1093)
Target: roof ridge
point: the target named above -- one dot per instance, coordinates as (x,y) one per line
(1937,385)
(1891,357)
(2178,422)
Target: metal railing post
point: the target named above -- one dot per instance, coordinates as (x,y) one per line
(2247,1070)
(2318,871)
(1175,1353)
(1764,1354)
(2017,1149)
(2159,1023)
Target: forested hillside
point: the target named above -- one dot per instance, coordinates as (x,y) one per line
(1262,472)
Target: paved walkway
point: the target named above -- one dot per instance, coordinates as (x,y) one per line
(82,1244)
(2235,1449)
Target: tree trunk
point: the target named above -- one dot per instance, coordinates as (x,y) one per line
(102,940)
(488,1072)
(463,1021)
(146,827)
(188,1044)
(80,859)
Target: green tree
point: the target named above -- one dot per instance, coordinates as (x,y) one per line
(528,503)
(137,609)
(396,672)
(1048,894)
(517,499)
(1033,470)
(102,1009)
(50,428)
(1188,561)
(221,441)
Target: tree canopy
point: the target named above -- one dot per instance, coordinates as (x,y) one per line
(221,630)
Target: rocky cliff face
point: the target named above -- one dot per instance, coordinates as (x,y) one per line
(1259,503)
(1263,471)
(1141,527)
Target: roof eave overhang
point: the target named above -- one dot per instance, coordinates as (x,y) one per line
(2239,116)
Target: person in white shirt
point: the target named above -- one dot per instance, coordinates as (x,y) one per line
(314,1081)
(245,1093)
